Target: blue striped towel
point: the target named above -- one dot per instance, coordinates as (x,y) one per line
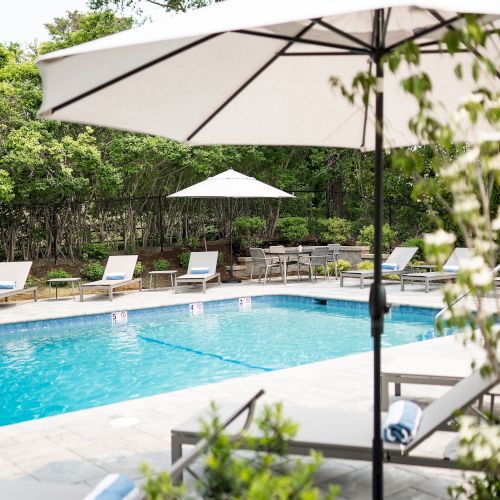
(116,276)
(7,285)
(200,270)
(402,422)
(450,269)
(390,265)
(115,487)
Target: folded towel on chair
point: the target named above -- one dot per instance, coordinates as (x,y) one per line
(200,270)
(116,276)
(450,269)
(7,285)
(402,422)
(391,266)
(115,487)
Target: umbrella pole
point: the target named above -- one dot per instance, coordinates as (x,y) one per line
(231,279)
(378,305)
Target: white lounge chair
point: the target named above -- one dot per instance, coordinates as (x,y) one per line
(14,276)
(449,272)
(117,265)
(202,268)
(399,259)
(338,433)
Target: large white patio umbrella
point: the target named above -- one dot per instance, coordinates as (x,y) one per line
(258,72)
(231,185)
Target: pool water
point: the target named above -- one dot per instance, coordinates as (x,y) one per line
(67,365)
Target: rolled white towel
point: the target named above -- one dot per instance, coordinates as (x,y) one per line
(402,422)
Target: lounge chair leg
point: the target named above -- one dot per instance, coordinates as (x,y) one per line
(251,273)
(426,286)
(402,284)
(204,287)
(219,280)
(140,284)
(362,281)
(35,295)
(341,280)
(81,294)
(110,293)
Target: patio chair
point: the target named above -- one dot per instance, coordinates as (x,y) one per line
(449,272)
(395,264)
(202,268)
(319,257)
(13,276)
(260,262)
(337,433)
(333,255)
(119,272)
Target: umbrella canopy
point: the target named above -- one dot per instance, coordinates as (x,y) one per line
(231,184)
(256,72)
(259,72)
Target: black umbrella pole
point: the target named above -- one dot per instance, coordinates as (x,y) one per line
(378,305)
(231,279)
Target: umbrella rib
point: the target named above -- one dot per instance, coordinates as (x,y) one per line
(338,31)
(132,72)
(343,53)
(471,49)
(248,82)
(297,39)
(442,24)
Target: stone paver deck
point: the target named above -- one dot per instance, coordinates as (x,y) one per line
(75,450)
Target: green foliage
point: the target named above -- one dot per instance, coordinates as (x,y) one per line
(343,265)
(366,237)
(415,242)
(293,229)
(130,249)
(184,259)
(248,231)
(270,474)
(335,230)
(365,265)
(161,265)
(92,271)
(58,273)
(95,251)
(30,282)
(220,259)
(138,270)
(192,242)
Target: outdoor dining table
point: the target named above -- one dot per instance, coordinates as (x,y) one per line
(287,253)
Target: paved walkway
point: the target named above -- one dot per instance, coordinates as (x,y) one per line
(75,450)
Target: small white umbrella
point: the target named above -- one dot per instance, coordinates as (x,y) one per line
(231,184)
(258,72)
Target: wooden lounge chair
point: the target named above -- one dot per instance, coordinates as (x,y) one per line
(202,268)
(17,273)
(451,264)
(338,433)
(117,264)
(400,257)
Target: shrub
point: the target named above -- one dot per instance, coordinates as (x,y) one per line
(58,273)
(366,237)
(335,230)
(161,265)
(92,271)
(343,265)
(192,242)
(130,249)
(248,231)
(30,282)
(415,242)
(293,229)
(365,266)
(95,251)
(184,259)
(220,259)
(138,270)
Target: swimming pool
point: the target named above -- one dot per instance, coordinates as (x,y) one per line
(57,366)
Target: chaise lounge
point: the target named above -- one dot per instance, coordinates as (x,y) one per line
(201,269)
(119,272)
(340,433)
(449,272)
(395,264)
(13,276)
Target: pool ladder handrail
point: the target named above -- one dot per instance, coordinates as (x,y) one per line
(458,299)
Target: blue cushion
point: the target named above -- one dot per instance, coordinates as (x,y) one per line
(116,276)
(114,487)
(200,270)
(7,285)
(450,269)
(390,266)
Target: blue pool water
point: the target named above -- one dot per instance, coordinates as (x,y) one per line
(53,367)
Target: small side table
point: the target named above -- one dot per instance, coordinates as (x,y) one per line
(172,273)
(59,281)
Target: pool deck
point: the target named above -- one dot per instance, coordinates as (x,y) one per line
(70,453)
